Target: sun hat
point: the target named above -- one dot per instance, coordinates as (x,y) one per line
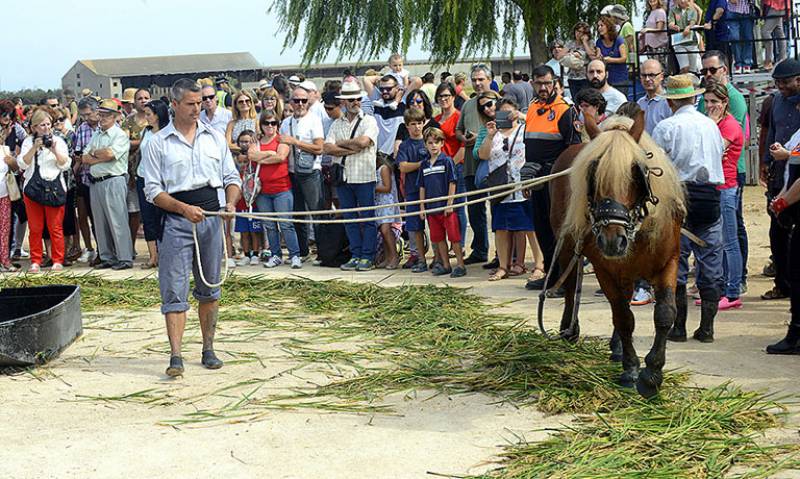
(615,11)
(681,86)
(86,92)
(128,95)
(351,90)
(264,84)
(108,106)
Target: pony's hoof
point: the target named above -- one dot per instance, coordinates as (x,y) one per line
(627,380)
(570,335)
(648,384)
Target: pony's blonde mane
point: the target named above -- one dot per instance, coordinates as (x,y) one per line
(616,152)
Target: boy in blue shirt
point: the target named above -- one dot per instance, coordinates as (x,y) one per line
(410,154)
(438,180)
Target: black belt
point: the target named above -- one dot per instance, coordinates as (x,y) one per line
(100,179)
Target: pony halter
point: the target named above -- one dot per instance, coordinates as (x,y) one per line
(610,212)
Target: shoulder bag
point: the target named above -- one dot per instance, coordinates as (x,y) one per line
(303,162)
(10,179)
(499,176)
(45,192)
(338,177)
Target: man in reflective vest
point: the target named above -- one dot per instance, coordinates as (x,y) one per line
(549,130)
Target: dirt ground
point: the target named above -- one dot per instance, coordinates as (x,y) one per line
(51,429)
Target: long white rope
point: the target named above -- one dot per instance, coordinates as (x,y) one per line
(507,189)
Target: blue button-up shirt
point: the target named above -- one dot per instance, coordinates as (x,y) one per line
(172,165)
(694,144)
(655,109)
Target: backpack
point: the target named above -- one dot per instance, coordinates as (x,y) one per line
(333,248)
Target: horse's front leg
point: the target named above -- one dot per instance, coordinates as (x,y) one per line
(567,329)
(619,296)
(651,377)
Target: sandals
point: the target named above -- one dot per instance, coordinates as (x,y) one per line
(537,274)
(149,265)
(34,268)
(517,270)
(499,273)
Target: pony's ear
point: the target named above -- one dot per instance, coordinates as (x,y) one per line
(590,123)
(638,126)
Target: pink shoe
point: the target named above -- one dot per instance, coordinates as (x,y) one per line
(725,303)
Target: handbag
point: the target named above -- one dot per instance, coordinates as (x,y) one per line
(499,176)
(338,177)
(481,172)
(45,192)
(303,162)
(251,185)
(11,178)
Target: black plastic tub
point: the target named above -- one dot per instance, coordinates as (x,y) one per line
(37,323)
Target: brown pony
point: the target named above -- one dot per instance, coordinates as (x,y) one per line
(624,208)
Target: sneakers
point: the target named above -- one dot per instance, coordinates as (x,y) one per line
(365,265)
(87,255)
(726,303)
(254,260)
(244,261)
(458,272)
(273,262)
(231,263)
(420,267)
(34,268)
(641,297)
(440,270)
(210,360)
(265,255)
(57,267)
(774,293)
(350,265)
(737,70)
(297,263)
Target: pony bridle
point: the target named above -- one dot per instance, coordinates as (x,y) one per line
(610,212)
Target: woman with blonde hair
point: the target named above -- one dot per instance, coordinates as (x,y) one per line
(271,100)
(244,118)
(43,158)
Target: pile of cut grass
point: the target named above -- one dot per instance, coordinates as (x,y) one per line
(380,341)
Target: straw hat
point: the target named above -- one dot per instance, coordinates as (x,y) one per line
(109,106)
(681,86)
(86,92)
(128,95)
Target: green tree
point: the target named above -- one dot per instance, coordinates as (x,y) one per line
(450,29)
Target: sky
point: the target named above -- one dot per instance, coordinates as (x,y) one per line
(57,33)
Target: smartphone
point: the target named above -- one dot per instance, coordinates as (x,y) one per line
(502,120)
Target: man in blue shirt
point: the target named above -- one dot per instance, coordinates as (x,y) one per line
(653,103)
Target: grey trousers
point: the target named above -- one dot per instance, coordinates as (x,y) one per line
(110,214)
(774,26)
(177,260)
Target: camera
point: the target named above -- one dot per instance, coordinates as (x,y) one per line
(47,141)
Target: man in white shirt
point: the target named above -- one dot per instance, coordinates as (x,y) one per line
(185,166)
(304,134)
(597,76)
(694,144)
(213,116)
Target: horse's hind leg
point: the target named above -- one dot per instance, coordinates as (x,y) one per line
(651,377)
(619,297)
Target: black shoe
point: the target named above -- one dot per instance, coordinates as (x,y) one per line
(784,346)
(210,360)
(535,285)
(420,267)
(121,266)
(105,265)
(599,293)
(769,270)
(175,366)
(703,336)
(677,334)
(439,270)
(474,260)
(493,264)
(556,293)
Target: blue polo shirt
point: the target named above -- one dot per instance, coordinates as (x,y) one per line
(412,151)
(720,29)
(436,179)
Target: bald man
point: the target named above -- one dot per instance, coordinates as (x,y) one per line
(653,103)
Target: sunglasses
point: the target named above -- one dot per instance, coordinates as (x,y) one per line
(330,107)
(418,101)
(300,101)
(270,123)
(712,70)
(209,97)
(487,105)
(243,102)
(58,120)
(505,144)
(445,96)
(543,83)
(386,89)
(353,100)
